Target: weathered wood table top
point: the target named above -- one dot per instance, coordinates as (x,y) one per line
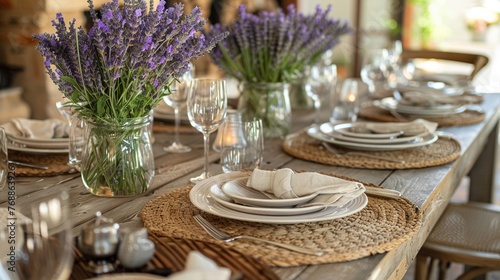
(428,188)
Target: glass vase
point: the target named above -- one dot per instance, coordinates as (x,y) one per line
(269,102)
(118,158)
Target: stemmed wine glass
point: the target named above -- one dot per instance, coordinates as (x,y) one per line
(177,100)
(206,108)
(43,240)
(374,70)
(320,80)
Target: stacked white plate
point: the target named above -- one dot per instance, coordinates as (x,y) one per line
(356,136)
(39,146)
(227,196)
(390,103)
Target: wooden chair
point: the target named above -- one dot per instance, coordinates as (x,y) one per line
(466,233)
(478,61)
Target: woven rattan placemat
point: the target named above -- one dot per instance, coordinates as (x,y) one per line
(381,226)
(371,112)
(443,151)
(171,253)
(57,163)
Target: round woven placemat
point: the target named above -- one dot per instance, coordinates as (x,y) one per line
(381,226)
(371,112)
(57,163)
(443,151)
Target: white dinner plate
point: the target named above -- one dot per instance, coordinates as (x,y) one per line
(128,276)
(201,198)
(424,140)
(218,195)
(36,150)
(390,103)
(237,190)
(349,129)
(433,87)
(59,143)
(332,130)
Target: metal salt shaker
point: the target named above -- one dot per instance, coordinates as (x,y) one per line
(99,243)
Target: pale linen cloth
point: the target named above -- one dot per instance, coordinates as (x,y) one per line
(284,183)
(429,99)
(199,267)
(37,129)
(415,127)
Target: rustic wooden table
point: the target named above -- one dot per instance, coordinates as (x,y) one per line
(428,188)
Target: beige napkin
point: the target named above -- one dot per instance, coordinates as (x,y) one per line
(284,183)
(37,129)
(429,99)
(415,127)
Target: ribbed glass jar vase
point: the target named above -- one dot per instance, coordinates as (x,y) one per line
(269,102)
(118,158)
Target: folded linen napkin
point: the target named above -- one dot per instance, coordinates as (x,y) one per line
(37,129)
(199,267)
(415,127)
(284,183)
(430,99)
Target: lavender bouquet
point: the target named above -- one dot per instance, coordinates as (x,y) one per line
(124,65)
(274,47)
(115,74)
(267,51)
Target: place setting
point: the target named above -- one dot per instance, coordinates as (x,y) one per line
(445,105)
(377,145)
(38,147)
(274,205)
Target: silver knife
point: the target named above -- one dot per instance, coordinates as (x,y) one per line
(28,164)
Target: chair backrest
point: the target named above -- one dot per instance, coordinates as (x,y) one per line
(478,61)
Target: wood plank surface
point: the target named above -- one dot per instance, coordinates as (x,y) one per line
(429,188)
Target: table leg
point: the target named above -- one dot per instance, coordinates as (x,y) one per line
(482,174)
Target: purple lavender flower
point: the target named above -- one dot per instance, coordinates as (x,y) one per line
(122,67)
(274,47)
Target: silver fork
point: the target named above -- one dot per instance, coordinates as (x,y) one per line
(220,235)
(339,153)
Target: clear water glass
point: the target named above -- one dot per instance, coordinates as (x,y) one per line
(346,102)
(43,247)
(374,70)
(177,100)
(4,159)
(320,81)
(206,107)
(76,132)
(242,145)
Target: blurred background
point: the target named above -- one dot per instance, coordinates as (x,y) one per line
(452,25)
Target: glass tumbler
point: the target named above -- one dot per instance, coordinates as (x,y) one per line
(4,159)
(346,102)
(242,145)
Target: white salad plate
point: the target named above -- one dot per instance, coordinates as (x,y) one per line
(218,195)
(237,191)
(201,199)
(423,141)
(390,103)
(353,130)
(333,131)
